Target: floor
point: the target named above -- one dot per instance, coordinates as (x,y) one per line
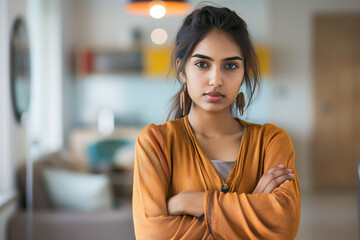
(329,215)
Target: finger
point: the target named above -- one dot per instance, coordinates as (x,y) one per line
(275,168)
(277,182)
(274,184)
(269,176)
(263,182)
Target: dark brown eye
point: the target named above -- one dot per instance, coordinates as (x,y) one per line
(231,66)
(201,64)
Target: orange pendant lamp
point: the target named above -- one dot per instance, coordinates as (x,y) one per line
(158,9)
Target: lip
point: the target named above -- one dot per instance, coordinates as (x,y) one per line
(214,93)
(214,96)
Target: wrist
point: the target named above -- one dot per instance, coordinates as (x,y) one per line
(186,203)
(175,205)
(192,203)
(182,203)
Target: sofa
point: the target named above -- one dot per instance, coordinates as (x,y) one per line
(53,221)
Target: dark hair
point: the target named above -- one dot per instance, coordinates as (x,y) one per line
(194,28)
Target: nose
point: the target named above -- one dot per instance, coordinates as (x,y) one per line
(215,78)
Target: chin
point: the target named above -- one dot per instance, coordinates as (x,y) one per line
(213,107)
(216,109)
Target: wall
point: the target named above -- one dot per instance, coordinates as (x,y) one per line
(291,41)
(46,125)
(4,140)
(3,95)
(107,24)
(45,101)
(12,135)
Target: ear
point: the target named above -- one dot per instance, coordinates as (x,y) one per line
(177,63)
(182,75)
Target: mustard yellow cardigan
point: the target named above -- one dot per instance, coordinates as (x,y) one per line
(168,160)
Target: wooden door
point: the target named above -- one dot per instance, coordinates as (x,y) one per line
(336,140)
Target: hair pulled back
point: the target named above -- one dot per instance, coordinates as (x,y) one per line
(194,28)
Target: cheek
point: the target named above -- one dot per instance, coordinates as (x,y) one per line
(235,79)
(194,75)
(193,88)
(196,80)
(233,86)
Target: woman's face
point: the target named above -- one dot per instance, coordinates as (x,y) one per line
(214,72)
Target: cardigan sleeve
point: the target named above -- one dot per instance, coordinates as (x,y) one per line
(273,215)
(150,194)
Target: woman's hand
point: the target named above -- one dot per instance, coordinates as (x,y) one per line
(272,179)
(186,202)
(192,202)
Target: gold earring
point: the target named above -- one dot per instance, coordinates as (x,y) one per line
(182,99)
(240,102)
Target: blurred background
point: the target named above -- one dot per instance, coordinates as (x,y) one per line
(79,79)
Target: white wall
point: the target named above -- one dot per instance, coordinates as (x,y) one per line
(12,135)
(106,23)
(291,41)
(4,169)
(46,125)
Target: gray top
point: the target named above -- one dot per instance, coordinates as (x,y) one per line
(223,167)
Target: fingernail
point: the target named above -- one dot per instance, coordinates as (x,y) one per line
(289,169)
(286,181)
(291,174)
(281,165)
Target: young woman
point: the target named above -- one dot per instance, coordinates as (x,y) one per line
(207,174)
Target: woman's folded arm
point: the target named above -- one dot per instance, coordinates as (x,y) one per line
(274,215)
(150,190)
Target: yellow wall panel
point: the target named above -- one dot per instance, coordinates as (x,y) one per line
(157,61)
(264,56)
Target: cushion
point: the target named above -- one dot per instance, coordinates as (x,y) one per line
(102,153)
(41,199)
(75,191)
(124,156)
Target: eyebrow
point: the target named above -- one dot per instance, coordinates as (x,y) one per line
(209,58)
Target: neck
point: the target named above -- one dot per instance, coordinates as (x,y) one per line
(212,124)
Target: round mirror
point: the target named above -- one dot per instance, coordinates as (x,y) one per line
(20,70)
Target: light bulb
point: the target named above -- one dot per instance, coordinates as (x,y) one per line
(157,11)
(159,36)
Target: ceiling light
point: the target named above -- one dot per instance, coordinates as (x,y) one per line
(172,7)
(159,36)
(157,11)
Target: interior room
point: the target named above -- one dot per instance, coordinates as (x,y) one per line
(80,79)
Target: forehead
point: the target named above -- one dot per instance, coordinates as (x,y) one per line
(217,45)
